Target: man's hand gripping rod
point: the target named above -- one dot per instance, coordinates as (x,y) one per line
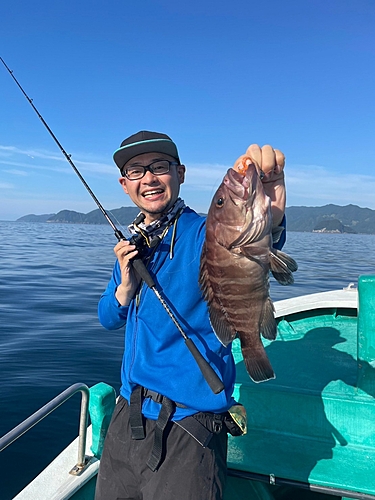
(210,376)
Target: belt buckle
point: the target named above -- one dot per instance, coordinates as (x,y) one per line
(217,424)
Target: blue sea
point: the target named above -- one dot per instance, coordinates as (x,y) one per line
(51,277)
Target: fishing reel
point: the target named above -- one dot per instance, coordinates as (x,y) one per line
(141,240)
(140,243)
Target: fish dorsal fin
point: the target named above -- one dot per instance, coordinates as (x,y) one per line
(203,273)
(220,325)
(282,267)
(218,319)
(204,278)
(268,326)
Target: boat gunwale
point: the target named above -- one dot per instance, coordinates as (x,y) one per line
(346,298)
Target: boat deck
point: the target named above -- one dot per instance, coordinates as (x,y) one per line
(311,426)
(314,422)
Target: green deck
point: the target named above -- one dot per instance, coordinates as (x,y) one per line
(315,422)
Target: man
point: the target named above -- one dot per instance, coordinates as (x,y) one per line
(168,435)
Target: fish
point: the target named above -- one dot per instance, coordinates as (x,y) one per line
(236,260)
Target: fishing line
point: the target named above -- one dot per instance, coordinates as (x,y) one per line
(119,224)
(210,376)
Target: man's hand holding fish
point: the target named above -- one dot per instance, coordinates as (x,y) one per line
(270,163)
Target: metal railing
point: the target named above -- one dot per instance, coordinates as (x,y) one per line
(39,415)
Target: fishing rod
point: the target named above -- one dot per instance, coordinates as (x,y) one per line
(118,233)
(210,376)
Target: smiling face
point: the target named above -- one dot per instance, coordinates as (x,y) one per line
(154,194)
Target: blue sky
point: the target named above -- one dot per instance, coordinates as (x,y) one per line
(214,75)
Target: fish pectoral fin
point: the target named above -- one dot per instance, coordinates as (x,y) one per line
(220,326)
(282,267)
(257,364)
(287,259)
(268,326)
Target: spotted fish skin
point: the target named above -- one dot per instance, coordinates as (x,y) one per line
(236,259)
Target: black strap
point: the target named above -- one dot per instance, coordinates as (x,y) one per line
(167,408)
(135,415)
(137,426)
(155,396)
(196,430)
(158,398)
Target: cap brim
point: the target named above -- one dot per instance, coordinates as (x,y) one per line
(122,155)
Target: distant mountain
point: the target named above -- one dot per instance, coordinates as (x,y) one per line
(352,217)
(68,216)
(35,218)
(123,216)
(347,219)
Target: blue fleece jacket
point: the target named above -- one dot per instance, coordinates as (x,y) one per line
(155,355)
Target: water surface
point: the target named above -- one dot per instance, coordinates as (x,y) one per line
(51,277)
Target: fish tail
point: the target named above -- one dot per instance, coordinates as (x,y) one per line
(258,366)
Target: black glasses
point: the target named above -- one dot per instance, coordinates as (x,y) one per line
(158,167)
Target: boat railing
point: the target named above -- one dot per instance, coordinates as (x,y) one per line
(39,415)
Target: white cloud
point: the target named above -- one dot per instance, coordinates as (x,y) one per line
(25,158)
(6,185)
(28,167)
(13,150)
(16,172)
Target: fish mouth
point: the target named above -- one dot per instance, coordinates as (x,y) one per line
(238,184)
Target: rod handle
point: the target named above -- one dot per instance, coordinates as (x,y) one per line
(210,376)
(142,271)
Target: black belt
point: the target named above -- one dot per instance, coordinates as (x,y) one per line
(200,426)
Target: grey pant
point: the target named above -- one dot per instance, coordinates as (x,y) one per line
(187,472)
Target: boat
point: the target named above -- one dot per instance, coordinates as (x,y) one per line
(310,430)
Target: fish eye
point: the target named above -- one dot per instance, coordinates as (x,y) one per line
(220,202)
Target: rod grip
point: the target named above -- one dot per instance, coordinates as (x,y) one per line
(142,271)
(210,376)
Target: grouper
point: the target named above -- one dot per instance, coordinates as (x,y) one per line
(236,261)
